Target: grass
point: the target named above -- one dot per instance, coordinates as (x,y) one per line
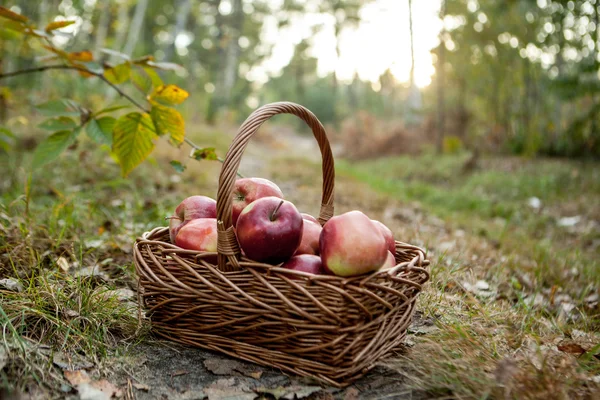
(506,344)
(66,234)
(77,213)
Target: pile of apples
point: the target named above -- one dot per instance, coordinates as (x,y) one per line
(271,230)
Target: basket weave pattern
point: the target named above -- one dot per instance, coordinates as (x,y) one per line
(327,327)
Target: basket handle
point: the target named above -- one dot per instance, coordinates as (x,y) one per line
(227,246)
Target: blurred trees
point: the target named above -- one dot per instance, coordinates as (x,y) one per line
(520,76)
(524,74)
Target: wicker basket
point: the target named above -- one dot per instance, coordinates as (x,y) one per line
(330,328)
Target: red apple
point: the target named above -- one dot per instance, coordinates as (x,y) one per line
(249,189)
(387,235)
(199,234)
(351,244)
(390,261)
(311,232)
(305,263)
(269,230)
(308,217)
(191,208)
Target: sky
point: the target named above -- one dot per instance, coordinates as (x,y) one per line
(380,41)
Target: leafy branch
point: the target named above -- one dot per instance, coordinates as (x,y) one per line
(75,68)
(131,137)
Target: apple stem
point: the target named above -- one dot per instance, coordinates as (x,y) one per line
(275,212)
(173,217)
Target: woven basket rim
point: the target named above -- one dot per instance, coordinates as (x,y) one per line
(148,237)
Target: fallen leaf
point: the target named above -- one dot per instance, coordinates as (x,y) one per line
(255,374)
(505,370)
(569,221)
(290,392)
(534,202)
(351,394)
(220,367)
(11,284)
(482,285)
(63,264)
(226,389)
(228,367)
(71,362)
(141,386)
(76,377)
(122,294)
(89,392)
(106,387)
(179,373)
(71,313)
(92,271)
(94,243)
(571,348)
(480,289)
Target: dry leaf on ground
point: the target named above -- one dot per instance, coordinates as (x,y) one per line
(226,389)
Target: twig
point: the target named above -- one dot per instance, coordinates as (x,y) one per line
(194,146)
(75,68)
(103,79)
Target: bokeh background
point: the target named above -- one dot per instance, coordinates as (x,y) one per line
(389,76)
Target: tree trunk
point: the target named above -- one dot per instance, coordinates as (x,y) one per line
(43,7)
(122,23)
(183,12)
(441,112)
(233,51)
(414,97)
(334,86)
(102,30)
(217,74)
(136,27)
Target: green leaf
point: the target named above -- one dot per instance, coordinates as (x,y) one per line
(156,80)
(207,153)
(13,16)
(169,95)
(119,73)
(52,146)
(7,139)
(59,108)
(145,78)
(179,167)
(111,109)
(140,79)
(9,34)
(169,121)
(58,124)
(133,140)
(14,26)
(101,130)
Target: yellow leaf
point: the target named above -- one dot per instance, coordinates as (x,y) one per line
(57,25)
(6,13)
(169,121)
(83,56)
(169,94)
